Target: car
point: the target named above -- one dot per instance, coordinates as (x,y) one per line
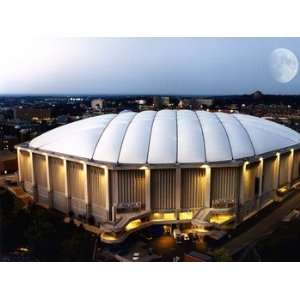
(185,237)
(136,256)
(176,233)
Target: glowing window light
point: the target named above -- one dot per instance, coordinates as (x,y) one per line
(283,189)
(156,215)
(109,236)
(220,219)
(143,168)
(133,224)
(188,215)
(199,230)
(169,216)
(163,216)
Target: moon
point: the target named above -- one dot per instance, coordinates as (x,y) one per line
(283,65)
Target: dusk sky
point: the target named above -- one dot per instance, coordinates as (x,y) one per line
(204,66)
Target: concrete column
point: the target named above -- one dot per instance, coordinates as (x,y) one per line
(107,195)
(86,189)
(241,197)
(291,163)
(239,191)
(115,193)
(49,184)
(261,173)
(67,191)
(277,169)
(148,189)
(178,189)
(207,186)
(19,165)
(260,176)
(33,181)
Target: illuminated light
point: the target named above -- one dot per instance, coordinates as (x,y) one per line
(199,229)
(5,172)
(109,236)
(246,163)
(188,215)
(156,215)
(283,189)
(163,217)
(133,224)
(143,168)
(292,150)
(169,216)
(205,166)
(277,154)
(220,219)
(261,159)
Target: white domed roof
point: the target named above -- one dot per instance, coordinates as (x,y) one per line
(167,137)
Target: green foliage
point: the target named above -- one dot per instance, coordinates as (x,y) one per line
(44,232)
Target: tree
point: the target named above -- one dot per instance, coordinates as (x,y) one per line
(41,237)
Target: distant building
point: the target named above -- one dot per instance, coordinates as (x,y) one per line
(184,103)
(32,113)
(97,104)
(8,142)
(161,101)
(156,102)
(8,162)
(165,100)
(200,101)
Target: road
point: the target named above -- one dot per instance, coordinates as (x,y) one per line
(265,225)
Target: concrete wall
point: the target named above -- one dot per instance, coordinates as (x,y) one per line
(57,178)
(284,169)
(296,165)
(163,189)
(40,174)
(131,187)
(224,186)
(94,190)
(76,183)
(97,192)
(269,170)
(26,170)
(250,173)
(192,188)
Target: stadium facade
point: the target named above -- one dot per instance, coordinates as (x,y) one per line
(132,170)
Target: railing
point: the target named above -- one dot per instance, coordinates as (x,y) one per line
(125,207)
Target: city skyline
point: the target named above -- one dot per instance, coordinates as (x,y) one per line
(147,66)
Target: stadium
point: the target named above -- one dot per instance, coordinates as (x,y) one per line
(131,170)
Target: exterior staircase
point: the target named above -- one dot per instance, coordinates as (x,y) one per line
(201,217)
